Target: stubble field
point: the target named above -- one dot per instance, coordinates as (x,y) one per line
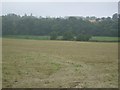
(59,64)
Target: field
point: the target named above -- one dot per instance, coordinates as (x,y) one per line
(104,39)
(0,63)
(28,37)
(59,64)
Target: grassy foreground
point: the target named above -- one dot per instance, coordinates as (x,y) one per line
(57,64)
(0,63)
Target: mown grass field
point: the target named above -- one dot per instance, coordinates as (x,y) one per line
(0,63)
(59,64)
(104,39)
(27,37)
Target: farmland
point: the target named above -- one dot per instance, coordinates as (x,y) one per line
(59,64)
(0,63)
(104,39)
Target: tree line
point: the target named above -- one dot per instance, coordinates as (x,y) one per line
(72,27)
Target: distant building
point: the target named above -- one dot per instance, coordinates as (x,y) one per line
(93,21)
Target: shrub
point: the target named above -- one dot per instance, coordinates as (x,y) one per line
(68,36)
(82,37)
(53,36)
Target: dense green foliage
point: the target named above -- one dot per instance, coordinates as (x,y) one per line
(93,38)
(82,37)
(53,36)
(68,36)
(13,24)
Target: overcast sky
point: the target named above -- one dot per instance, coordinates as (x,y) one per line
(98,9)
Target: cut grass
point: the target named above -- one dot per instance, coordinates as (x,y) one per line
(28,37)
(0,63)
(59,64)
(104,39)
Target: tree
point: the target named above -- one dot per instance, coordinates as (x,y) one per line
(13,24)
(82,37)
(119,24)
(53,36)
(68,36)
(115,16)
